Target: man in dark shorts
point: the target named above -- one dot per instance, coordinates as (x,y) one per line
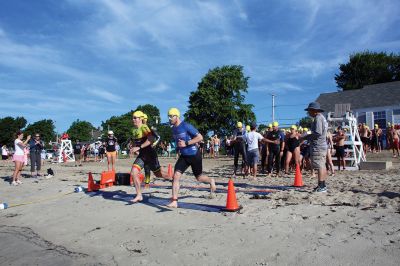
(340,148)
(77,153)
(186,137)
(275,150)
(239,145)
(141,135)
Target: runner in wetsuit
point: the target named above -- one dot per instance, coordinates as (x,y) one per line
(275,150)
(141,135)
(110,142)
(186,138)
(155,142)
(239,144)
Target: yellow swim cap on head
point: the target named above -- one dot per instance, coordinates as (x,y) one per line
(294,127)
(247,128)
(275,124)
(174,111)
(145,116)
(305,129)
(269,125)
(376,125)
(239,124)
(138,114)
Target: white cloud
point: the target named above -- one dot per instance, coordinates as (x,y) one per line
(104,94)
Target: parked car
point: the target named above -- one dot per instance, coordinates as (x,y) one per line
(49,154)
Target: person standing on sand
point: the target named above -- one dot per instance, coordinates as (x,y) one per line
(340,148)
(318,143)
(19,157)
(239,144)
(252,139)
(186,136)
(36,146)
(217,145)
(394,135)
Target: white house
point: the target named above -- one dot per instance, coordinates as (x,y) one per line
(373,104)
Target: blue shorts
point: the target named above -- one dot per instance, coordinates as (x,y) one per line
(252,157)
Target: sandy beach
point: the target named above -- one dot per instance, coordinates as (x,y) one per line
(356,223)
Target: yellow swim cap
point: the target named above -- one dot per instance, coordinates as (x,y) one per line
(239,125)
(247,128)
(138,114)
(145,117)
(174,111)
(275,124)
(376,125)
(269,125)
(305,129)
(293,127)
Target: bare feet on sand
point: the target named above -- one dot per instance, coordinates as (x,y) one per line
(173,203)
(137,199)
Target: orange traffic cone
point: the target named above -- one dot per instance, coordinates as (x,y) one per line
(298,179)
(90,186)
(170,173)
(231,202)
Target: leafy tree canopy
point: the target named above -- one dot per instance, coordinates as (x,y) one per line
(368,68)
(8,127)
(305,122)
(218,102)
(44,127)
(80,130)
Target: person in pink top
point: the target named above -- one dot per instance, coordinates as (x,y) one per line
(19,157)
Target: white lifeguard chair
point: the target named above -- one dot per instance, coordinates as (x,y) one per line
(66,152)
(355,147)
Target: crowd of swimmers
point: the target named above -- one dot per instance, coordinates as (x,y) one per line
(279,151)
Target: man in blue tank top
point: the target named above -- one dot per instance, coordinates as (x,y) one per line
(186,136)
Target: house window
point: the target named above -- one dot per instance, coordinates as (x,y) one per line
(362,119)
(396,116)
(380,119)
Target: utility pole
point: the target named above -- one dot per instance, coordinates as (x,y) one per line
(273,107)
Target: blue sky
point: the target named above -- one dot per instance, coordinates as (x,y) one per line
(91,59)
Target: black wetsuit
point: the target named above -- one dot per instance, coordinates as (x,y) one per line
(240,147)
(274,151)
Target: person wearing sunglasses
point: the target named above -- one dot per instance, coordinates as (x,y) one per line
(35,149)
(186,136)
(142,138)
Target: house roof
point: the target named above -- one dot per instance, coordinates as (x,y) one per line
(376,95)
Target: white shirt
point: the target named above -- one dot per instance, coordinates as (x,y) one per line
(252,140)
(4,151)
(18,149)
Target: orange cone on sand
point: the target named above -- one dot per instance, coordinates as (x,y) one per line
(170,173)
(231,201)
(90,186)
(298,179)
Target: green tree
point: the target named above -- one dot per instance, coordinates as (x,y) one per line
(368,68)
(218,102)
(305,122)
(81,130)
(121,126)
(8,127)
(44,127)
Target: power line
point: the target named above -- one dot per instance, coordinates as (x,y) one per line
(281,105)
